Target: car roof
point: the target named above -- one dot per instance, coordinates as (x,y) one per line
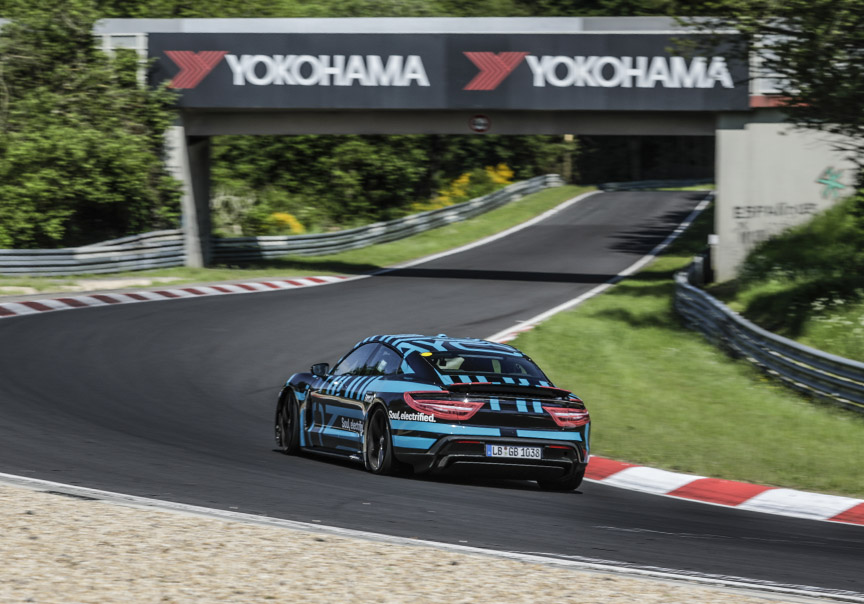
(406,343)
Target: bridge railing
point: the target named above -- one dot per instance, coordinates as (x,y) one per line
(806,369)
(161,249)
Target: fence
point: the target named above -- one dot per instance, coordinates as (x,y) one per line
(162,249)
(806,369)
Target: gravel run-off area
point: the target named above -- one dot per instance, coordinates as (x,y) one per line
(56,548)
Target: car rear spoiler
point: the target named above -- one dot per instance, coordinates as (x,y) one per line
(510,389)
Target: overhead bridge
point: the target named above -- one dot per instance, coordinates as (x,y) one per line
(598,75)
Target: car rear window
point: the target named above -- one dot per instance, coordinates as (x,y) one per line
(483,364)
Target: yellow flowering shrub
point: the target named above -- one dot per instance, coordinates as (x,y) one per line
(468,186)
(500,174)
(284,220)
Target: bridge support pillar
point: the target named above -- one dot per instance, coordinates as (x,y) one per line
(770,176)
(189,162)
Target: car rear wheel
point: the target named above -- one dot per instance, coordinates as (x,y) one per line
(568,483)
(288,424)
(378,444)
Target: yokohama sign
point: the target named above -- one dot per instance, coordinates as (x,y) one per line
(610,72)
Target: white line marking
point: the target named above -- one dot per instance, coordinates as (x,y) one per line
(573,562)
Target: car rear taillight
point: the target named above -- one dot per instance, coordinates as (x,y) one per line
(442,409)
(567,417)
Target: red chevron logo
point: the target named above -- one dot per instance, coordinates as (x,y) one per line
(194,67)
(493,68)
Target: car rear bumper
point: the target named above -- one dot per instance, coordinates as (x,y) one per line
(461,454)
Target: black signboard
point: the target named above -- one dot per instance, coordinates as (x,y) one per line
(582,72)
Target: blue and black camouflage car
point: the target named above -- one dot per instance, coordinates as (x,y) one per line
(429,403)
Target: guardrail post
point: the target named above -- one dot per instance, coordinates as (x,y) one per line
(189,161)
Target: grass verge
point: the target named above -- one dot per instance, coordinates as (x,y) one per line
(660,395)
(363,260)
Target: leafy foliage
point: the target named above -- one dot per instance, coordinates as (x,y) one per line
(380,8)
(80,138)
(342,181)
(815,48)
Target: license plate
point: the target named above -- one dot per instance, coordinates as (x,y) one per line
(511,451)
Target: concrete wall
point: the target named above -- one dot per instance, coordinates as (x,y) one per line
(768,179)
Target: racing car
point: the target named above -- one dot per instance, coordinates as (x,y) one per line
(436,403)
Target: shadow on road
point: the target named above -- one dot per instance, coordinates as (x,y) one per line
(447,273)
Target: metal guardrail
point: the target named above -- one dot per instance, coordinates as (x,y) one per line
(157,249)
(252,248)
(806,369)
(161,249)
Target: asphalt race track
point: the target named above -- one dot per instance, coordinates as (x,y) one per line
(175,401)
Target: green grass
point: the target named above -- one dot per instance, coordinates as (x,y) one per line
(802,310)
(358,261)
(660,395)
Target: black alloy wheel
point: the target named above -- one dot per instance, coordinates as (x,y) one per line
(288,424)
(378,445)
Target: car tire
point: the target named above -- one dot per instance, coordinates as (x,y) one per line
(288,423)
(568,483)
(378,444)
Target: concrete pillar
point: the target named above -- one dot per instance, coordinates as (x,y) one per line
(189,162)
(770,176)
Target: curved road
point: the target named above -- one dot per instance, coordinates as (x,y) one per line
(174,400)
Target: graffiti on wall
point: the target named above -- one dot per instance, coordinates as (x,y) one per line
(830,178)
(755,223)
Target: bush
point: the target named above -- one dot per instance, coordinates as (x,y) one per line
(81,140)
(806,275)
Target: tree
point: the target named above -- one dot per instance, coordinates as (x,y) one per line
(81,140)
(815,48)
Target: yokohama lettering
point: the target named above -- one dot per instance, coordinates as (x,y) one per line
(629,72)
(326,70)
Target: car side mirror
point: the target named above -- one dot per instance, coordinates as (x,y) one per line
(320,369)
